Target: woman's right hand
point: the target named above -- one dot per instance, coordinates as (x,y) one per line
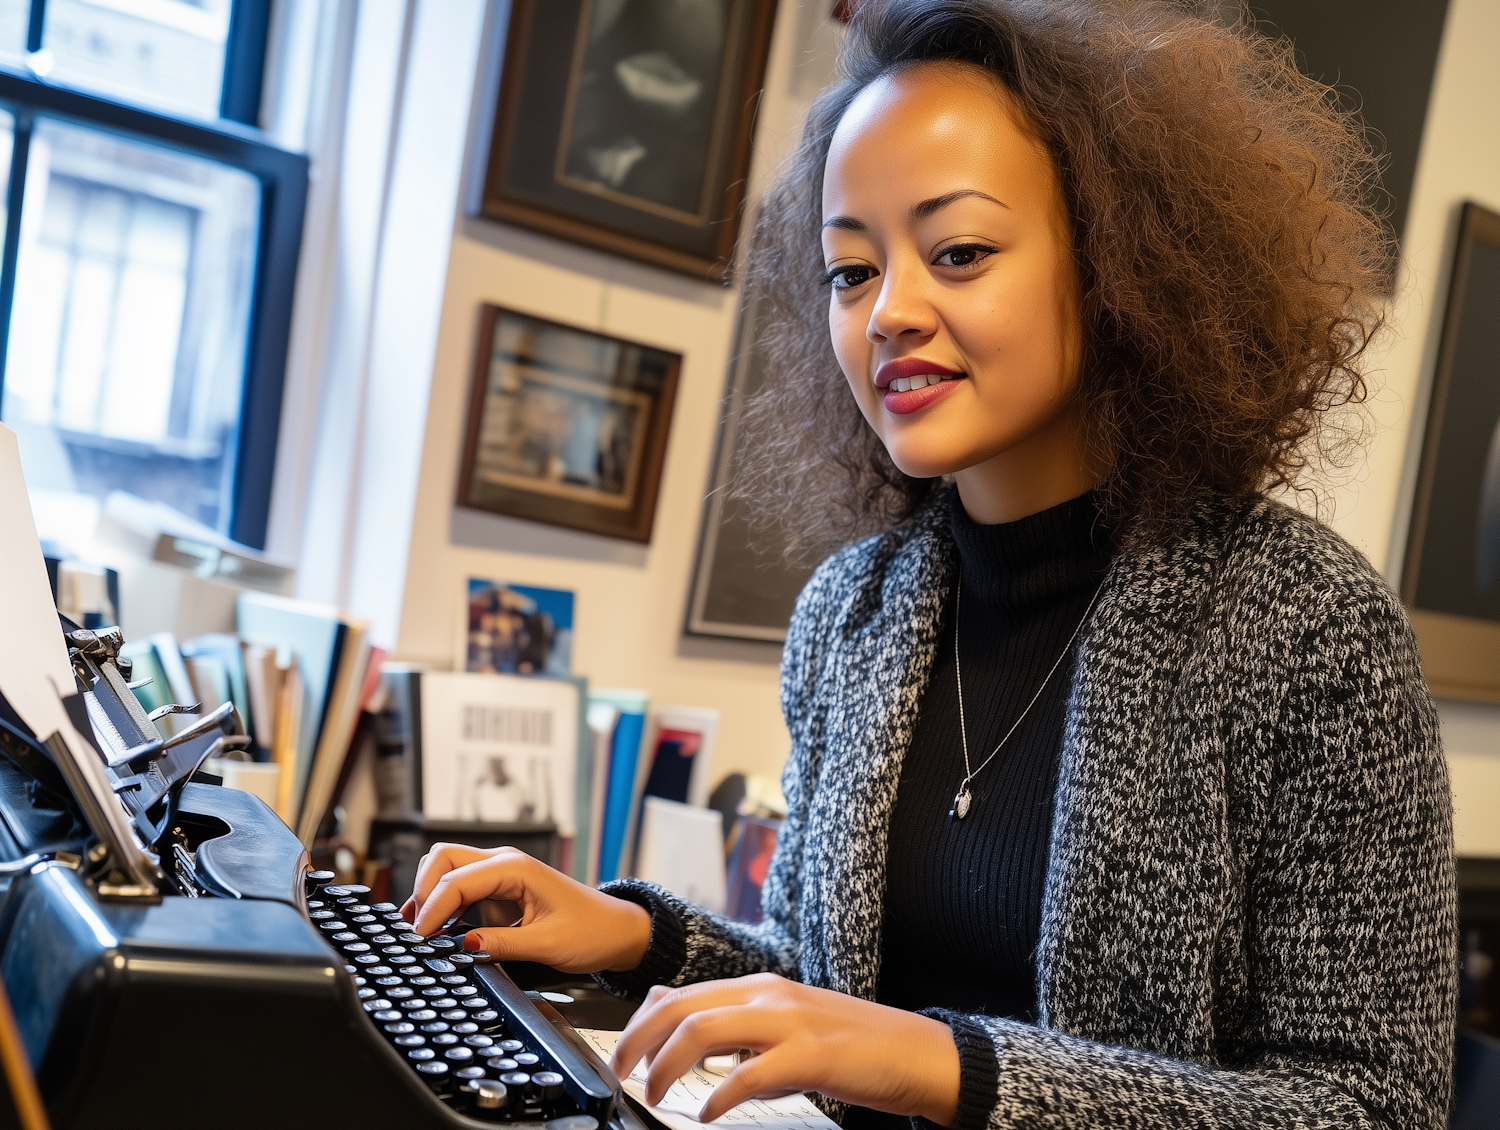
(564,924)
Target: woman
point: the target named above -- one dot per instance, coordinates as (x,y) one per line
(1115,794)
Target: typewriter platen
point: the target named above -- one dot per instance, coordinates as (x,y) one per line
(172,962)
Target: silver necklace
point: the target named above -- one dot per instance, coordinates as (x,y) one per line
(963,800)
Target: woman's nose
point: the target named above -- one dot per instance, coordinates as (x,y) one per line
(902,308)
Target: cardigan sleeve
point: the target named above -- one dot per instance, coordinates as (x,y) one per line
(690,944)
(1352,928)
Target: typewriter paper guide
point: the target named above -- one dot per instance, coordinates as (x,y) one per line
(34,666)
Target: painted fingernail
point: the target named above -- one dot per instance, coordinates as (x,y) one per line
(472,942)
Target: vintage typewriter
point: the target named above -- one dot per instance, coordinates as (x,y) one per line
(172,962)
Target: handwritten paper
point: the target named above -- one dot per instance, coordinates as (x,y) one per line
(685,1098)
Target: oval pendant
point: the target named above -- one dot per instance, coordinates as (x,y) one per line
(961,804)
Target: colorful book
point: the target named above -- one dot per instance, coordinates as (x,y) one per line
(621,793)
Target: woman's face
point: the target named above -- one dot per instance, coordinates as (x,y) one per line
(954,302)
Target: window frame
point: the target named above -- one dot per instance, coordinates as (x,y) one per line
(283,178)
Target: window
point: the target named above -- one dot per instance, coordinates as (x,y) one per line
(149,255)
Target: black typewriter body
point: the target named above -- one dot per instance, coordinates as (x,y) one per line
(242,992)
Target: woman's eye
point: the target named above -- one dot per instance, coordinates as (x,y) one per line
(846,278)
(963,255)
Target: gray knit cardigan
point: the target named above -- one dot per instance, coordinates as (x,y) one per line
(1249,918)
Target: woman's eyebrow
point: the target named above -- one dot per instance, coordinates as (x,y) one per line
(937,203)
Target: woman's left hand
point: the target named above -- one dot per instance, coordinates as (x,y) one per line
(804,1039)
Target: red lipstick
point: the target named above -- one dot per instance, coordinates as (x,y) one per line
(938,382)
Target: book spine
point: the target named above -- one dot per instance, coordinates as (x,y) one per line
(624,754)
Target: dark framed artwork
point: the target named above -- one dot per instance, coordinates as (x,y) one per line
(743,586)
(1451,578)
(626,124)
(566,426)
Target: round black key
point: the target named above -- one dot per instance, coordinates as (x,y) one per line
(418,1003)
(399,993)
(423,980)
(442,943)
(402,958)
(333,925)
(517,1079)
(459,1055)
(485,1017)
(387,1014)
(382,940)
(392,916)
(551,1084)
(367,958)
(470,1073)
(445,1039)
(437,1069)
(480,957)
(461,959)
(356,889)
(320,915)
(350,969)
(465,991)
(384,906)
(436,964)
(372,928)
(400,1028)
(454,979)
(333,892)
(466,1028)
(366,994)
(433,990)
(421,1014)
(354,947)
(527,1059)
(510,1047)
(388,979)
(442,1002)
(379,971)
(315,904)
(360,981)
(474,1041)
(421,1053)
(502,1063)
(410,972)
(390,947)
(377,1004)
(458,1014)
(411,1041)
(350,904)
(436,1026)
(344,936)
(424,950)
(412,939)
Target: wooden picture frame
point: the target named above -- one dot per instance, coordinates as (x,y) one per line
(566,426)
(1451,577)
(626,130)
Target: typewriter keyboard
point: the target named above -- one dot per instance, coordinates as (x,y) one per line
(476,1041)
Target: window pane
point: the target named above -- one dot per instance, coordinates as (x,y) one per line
(127,341)
(13,17)
(167,54)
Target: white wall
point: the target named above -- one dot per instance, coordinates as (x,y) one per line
(1460,160)
(630,598)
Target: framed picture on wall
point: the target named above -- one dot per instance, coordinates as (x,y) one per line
(566,426)
(1451,578)
(626,124)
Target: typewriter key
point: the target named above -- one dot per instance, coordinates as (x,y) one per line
(479,957)
(349,968)
(510,1047)
(368,919)
(421,1013)
(502,1063)
(465,991)
(367,958)
(411,1041)
(421,1053)
(474,1041)
(485,1017)
(442,1002)
(376,1005)
(387,980)
(334,926)
(517,1080)
(490,1095)
(389,945)
(459,1055)
(349,905)
(550,1083)
(357,889)
(441,943)
(527,1059)
(400,1028)
(424,950)
(332,892)
(355,947)
(366,994)
(402,958)
(422,979)
(470,1073)
(384,906)
(412,939)
(318,878)
(461,959)
(444,1039)
(387,1014)
(436,964)
(435,1026)
(433,991)
(360,981)
(419,1004)
(572,1122)
(454,979)
(458,1014)
(320,915)
(370,929)
(399,993)
(465,1028)
(379,971)
(344,938)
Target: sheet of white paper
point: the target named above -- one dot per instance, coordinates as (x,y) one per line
(685,1098)
(33,658)
(499,748)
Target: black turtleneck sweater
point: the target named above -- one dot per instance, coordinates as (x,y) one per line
(963,905)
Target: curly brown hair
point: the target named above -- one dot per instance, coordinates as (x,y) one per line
(1231,268)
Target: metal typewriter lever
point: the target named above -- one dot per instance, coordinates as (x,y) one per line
(26,863)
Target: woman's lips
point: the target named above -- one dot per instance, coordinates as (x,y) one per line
(905,403)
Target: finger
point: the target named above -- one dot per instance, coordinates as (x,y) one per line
(655,1020)
(709,1032)
(771,1075)
(503,876)
(511,943)
(409,909)
(437,863)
